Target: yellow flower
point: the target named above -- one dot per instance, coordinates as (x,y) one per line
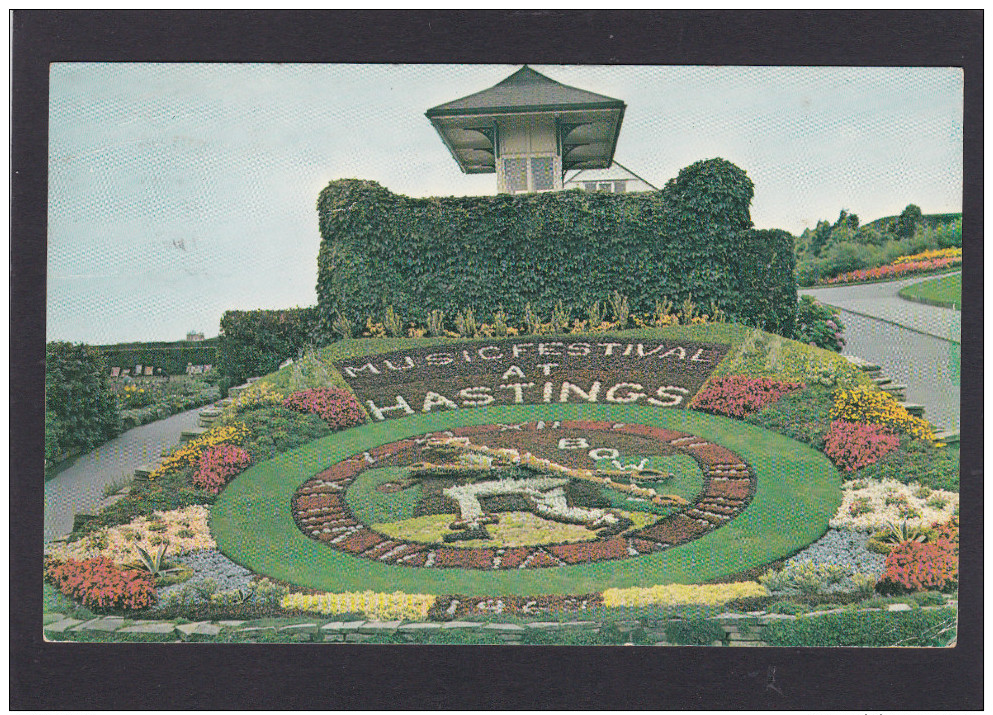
(375,606)
(869,405)
(677,594)
(188,454)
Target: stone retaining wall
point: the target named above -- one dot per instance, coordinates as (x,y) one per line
(740,630)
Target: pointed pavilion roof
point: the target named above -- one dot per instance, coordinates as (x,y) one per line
(525,90)
(589,123)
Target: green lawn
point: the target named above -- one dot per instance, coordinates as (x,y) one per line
(798,492)
(944,292)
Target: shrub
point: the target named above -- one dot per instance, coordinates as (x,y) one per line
(801,415)
(99,583)
(851,445)
(254,343)
(873,406)
(218,465)
(738,395)
(877,629)
(336,406)
(819,325)
(788,608)
(695,631)
(80,408)
(917,461)
(275,430)
(806,577)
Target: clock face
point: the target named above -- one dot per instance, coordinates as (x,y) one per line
(530,495)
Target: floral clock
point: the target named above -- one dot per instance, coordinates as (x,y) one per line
(524,496)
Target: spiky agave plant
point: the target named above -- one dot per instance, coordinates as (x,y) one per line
(153,562)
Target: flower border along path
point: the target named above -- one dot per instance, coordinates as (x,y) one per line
(798,491)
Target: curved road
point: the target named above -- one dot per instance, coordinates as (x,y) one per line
(916,344)
(80,486)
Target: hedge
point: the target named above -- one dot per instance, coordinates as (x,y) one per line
(171,358)
(80,407)
(255,342)
(692,239)
(878,629)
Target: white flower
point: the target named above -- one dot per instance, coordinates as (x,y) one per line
(882,513)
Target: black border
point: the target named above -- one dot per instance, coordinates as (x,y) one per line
(281,677)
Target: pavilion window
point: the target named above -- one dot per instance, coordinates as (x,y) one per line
(515,173)
(543,173)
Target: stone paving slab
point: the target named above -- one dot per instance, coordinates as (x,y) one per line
(462,624)
(150,628)
(62,625)
(199,629)
(420,627)
(109,623)
(379,626)
(506,627)
(342,626)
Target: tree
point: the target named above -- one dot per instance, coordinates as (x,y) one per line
(907,223)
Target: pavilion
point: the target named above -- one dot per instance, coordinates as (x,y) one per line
(530,130)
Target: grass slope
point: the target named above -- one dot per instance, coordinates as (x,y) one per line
(944,292)
(798,492)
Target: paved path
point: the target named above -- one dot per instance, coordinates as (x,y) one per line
(882,302)
(80,486)
(915,344)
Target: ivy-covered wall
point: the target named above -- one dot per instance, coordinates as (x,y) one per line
(692,239)
(171,358)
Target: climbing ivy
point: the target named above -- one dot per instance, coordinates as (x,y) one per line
(693,240)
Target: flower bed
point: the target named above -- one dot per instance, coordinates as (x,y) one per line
(184,530)
(931,565)
(851,445)
(336,406)
(897,269)
(677,594)
(937,253)
(887,501)
(376,606)
(218,465)
(872,406)
(738,395)
(188,455)
(99,583)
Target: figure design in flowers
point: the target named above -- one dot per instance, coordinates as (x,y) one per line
(539,485)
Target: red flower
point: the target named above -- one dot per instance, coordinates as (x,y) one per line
(100,583)
(217,465)
(738,395)
(336,406)
(852,445)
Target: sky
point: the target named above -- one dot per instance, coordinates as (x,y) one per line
(180,191)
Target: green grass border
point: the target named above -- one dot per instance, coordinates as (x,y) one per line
(798,492)
(908,293)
